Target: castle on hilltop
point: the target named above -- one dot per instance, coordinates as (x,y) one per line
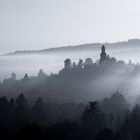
(104,56)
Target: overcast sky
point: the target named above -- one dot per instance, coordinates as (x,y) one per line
(38,24)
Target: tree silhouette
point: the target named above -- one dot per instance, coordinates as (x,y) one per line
(88,63)
(26,77)
(74,65)
(80,64)
(22,111)
(41,75)
(67,64)
(39,112)
(93,118)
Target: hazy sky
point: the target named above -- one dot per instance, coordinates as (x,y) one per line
(37,24)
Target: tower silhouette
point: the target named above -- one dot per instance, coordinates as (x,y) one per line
(103,55)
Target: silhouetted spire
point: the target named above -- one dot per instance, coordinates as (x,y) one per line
(103,54)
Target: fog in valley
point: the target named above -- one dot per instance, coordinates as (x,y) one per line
(102,83)
(53,62)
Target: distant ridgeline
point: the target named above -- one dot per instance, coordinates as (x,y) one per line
(83,47)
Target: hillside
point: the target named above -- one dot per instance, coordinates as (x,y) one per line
(83,47)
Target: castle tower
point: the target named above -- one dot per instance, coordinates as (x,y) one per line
(103,55)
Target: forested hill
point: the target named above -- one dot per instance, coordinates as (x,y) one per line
(84,47)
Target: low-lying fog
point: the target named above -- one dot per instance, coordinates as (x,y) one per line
(124,79)
(52,63)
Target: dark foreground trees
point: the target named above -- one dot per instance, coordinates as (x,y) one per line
(21,119)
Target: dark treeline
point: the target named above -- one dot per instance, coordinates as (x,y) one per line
(111,118)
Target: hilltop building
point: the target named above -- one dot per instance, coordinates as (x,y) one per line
(104,56)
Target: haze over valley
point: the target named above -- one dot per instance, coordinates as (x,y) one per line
(51,60)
